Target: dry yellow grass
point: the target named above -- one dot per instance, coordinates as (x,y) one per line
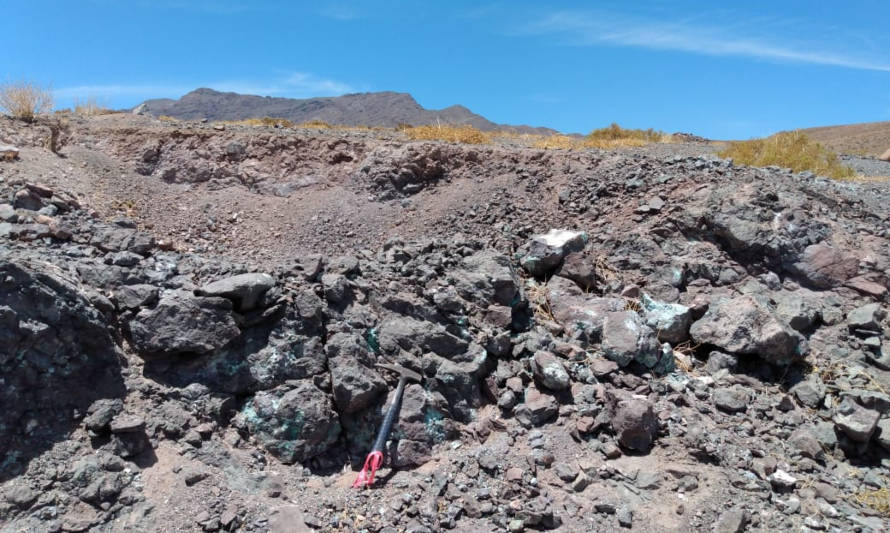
(451,133)
(269,122)
(879,500)
(614,132)
(25,100)
(609,138)
(90,107)
(792,150)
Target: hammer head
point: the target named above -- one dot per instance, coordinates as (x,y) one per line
(403,372)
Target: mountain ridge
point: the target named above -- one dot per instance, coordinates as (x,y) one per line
(383,108)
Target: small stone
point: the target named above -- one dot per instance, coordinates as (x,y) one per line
(635,424)
(731,521)
(866,318)
(625,516)
(733,399)
(883,433)
(718,361)
(611,450)
(810,392)
(21,495)
(513,474)
(855,421)
(194,476)
(605,508)
(806,444)
(581,482)
(516,526)
(782,480)
(566,471)
(127,424)
(549,371)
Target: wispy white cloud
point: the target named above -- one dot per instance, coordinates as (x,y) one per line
(295,85)
(605,28)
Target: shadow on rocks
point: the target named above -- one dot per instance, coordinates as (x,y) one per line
(57,356)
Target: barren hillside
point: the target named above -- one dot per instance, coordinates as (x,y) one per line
(386,108)
(869,138)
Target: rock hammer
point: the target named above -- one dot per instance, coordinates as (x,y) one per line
(375,459)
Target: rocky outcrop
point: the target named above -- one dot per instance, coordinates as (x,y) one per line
(57,355)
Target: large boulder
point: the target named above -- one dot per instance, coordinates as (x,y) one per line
(583,315)
(182,322)
(487,278)
(245,290)
(823,267)
(295,421)
(885,156)
(546,251)
(399,332)
(742,325)
(355,384)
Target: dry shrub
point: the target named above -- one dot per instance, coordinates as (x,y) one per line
(90,107)
(269,122)
(557,142)
(452,133)
(879,500)
(614,132)
(607,138)
(792,150)
(539,298)
(167,118)
(315,124)
(25,100)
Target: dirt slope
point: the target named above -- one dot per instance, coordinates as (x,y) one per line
(868,138)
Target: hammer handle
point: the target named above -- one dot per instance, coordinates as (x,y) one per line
(390,418)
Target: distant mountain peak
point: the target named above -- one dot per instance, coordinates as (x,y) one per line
(383,108)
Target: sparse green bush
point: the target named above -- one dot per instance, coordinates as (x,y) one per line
(25,100)
(792,150)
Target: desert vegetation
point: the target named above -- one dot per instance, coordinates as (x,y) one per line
(610,137)
(448,132)
(90,106)
(794,150)
(25,100)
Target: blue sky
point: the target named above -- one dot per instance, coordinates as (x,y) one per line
(722,72)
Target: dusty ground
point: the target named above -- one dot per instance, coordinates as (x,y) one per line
(222,200)
(869,138)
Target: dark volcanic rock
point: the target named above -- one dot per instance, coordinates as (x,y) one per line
(294,421)
(184,323)
(635,424)
(823,266)
(56,356)
(245,290)
(743,326)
